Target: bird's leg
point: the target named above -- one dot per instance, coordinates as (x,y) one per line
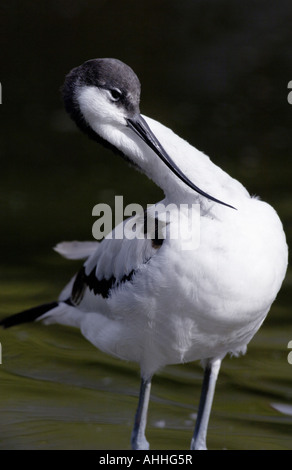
(138,439)
(210,377)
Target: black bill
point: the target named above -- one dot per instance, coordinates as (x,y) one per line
(141,128)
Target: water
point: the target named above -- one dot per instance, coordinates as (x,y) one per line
(57,390)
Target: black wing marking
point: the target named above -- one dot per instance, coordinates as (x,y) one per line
(104,286)
(28,315)
(99,287)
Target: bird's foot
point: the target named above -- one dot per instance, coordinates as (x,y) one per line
(139,443)
(196,445)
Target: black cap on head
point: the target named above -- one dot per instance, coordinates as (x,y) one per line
(110,74)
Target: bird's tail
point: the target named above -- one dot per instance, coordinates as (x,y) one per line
(27,315)
(70,250)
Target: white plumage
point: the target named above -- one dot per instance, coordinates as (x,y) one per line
(207,302)
(159,304)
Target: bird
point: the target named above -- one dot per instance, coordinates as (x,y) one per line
(153,300)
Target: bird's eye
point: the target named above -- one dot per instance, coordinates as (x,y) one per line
(116,94)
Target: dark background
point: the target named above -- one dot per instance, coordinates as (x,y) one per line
(214,71)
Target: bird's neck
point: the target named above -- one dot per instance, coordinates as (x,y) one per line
(193,163)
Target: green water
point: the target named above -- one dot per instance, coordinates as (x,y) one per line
(219,80)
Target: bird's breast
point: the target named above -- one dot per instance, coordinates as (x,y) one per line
(237,266)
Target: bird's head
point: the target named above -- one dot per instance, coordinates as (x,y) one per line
(102,96)
(100,93)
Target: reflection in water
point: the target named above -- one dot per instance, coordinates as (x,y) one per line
(285,409)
